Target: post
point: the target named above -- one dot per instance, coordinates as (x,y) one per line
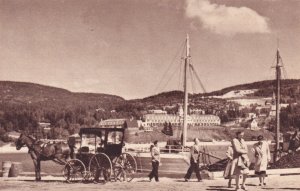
(278,77)
(186,66)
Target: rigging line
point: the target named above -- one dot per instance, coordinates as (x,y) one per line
(170,77)
(180,75)
(273,65)
(192,81)
(285,75)
(172,62)
(191,71)
(197,77)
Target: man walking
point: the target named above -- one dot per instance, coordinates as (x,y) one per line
(194,162)
(155,154)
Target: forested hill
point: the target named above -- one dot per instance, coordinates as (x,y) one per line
(23,105)
(22,93)
(265,88)
(289,88)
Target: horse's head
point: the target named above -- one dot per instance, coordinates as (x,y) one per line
(21,141)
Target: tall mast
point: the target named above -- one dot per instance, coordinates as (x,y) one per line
(186,65)
(278,77)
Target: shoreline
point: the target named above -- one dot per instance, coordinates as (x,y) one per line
(9,148)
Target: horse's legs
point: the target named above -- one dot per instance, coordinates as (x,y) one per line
(39,170)
(35,163)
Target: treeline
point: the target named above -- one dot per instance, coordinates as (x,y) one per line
(265,88)
(290,117)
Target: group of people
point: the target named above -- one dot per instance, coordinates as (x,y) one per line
(194,161)
(238,161)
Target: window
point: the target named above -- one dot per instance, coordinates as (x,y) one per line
(114,137)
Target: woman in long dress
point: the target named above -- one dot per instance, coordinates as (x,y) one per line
(240,162)
(227,171)
(262,158)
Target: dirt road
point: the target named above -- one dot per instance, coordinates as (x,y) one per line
(141,184)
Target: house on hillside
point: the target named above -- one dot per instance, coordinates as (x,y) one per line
(253,124)
(197,111)
(131,124)
(112,123)
(157,111)
(251,115)
(13,135)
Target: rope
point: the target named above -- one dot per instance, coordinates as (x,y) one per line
(172,62)
(198,78)
(192,80)
(285,76)
(170,78)
(180,84)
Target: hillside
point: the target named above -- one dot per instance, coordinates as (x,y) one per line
(36,94)
(23,105)
(290,89)
(22,93)
(265,88)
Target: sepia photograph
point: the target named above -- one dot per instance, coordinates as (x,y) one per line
(168,95)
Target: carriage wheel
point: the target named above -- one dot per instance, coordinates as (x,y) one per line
(74,171)
(125,167)
(100,165)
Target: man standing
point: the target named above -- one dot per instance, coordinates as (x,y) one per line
(155,154)
(194,162)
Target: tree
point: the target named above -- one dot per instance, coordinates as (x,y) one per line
(170,129)
(167,130)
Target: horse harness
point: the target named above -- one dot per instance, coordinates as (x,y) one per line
(39,149)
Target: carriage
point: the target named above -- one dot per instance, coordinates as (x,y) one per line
(100,157)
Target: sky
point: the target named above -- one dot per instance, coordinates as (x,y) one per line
(131,48)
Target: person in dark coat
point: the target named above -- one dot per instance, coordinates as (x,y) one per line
(155,155)
(194,162)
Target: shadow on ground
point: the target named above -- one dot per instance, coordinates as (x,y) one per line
(225,188)
(281,188)
(219,188)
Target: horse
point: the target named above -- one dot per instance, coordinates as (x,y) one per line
(40,151)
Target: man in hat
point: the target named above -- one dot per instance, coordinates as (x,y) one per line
(155,154)
(194,162)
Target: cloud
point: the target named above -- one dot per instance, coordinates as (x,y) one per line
(226,20)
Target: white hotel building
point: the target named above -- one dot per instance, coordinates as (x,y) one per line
(158,119)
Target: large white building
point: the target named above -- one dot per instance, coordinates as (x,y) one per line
(176,120)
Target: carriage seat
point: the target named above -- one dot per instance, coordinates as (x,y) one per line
(84,149)
(100,150)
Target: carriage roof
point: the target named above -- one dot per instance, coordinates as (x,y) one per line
(98,130)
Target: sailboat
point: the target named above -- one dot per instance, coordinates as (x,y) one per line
(176,163)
